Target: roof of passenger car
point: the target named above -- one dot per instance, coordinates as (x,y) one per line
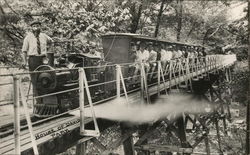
(143,37)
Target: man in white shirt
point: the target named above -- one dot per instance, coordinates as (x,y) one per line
(169,54)
(179,53)
(152,59)
(143,53)
(163,52)
(152,53)
(142,56)
(167,58)
(34,44)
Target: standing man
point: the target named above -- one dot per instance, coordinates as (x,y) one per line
(34,44)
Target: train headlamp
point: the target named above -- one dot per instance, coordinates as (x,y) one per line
(45,60)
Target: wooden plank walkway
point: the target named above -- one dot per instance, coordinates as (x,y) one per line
(43,133)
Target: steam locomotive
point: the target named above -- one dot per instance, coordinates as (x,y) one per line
(55,80)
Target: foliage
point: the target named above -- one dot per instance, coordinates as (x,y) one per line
(203,22)
(240,82)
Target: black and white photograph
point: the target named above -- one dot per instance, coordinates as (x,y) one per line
(124,77)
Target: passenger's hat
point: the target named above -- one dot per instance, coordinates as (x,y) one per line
(35,23)
(150,43)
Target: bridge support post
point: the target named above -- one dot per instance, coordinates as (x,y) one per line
(228,78)
(81,99)
(159,78)
(16,114)
(216,120)
(181,131)
(218,133)
(144,85)
(206,140)
(128,144)
(81,148)
(118,81)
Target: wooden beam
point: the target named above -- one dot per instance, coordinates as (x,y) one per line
(147,134)
(84,139)
(118,142)
(198,141)
(165,148)
(128,143)
(98,144)
(207,144)
(81,148)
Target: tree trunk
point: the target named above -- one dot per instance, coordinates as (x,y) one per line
(179,19)
(248,103)
(136,17)
(159,18)
(205,36)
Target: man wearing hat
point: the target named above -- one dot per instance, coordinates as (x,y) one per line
(34,44)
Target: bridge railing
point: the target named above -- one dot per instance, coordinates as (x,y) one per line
(103,83)
(194,64)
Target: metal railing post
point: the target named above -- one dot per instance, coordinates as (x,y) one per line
(144,84)
(81,99)
(121,79)
(25,106)
(142,87)
(159,78)
(118,81)
(170,74)
(16,114)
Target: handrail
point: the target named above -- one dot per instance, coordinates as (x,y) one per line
(175,66)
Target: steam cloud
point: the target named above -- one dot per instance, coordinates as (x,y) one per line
(164,106)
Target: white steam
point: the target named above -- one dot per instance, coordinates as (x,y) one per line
(163,107)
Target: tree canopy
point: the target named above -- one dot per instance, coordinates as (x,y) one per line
(199,22)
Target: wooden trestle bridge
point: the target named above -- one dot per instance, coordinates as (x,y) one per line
(22,133)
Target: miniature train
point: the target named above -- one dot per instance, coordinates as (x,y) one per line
(117,48)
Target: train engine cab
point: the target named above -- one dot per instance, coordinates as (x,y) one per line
(55,85)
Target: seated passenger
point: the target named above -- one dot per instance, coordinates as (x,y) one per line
(142,56)
(185,52)
(175,53)
(167,58)
(169,54)
(152,58)
(157,49)
(179,53)
(163,52)
(93,51)
(152,53)
(132,54)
